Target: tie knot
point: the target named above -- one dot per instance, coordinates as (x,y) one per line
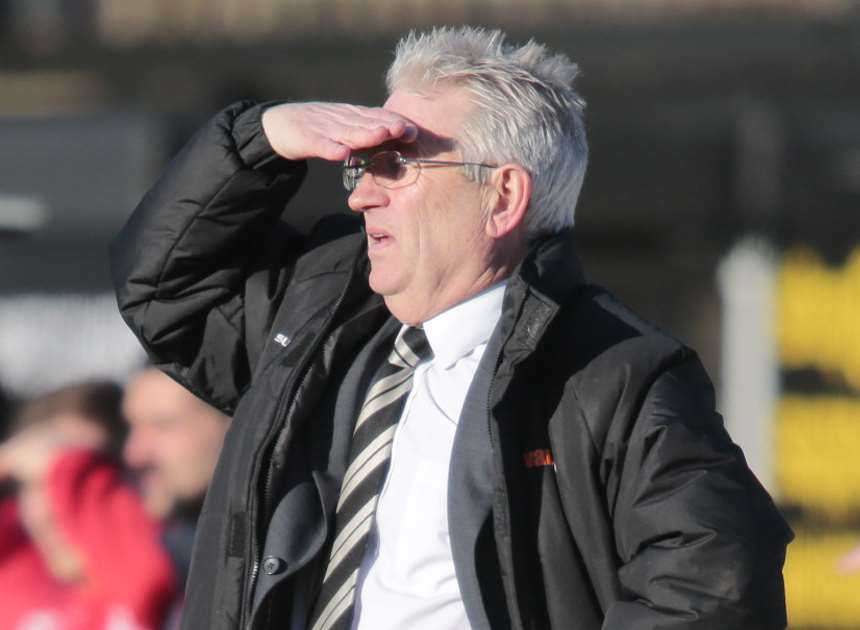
(412,346)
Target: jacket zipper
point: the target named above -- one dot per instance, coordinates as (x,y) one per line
(267,497)
(267,480)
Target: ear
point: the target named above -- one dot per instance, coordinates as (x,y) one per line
(510,195)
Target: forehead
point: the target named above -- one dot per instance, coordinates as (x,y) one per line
(439,114)
(152,391)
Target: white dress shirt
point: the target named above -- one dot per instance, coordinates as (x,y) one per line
(407,576)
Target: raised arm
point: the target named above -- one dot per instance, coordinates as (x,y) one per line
(201,264)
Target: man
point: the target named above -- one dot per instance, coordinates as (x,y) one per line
(173,444)
(438,423)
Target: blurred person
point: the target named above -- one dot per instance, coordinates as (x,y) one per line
(437,422)
(172,447)
(77,549)
(5,409)
(86,413)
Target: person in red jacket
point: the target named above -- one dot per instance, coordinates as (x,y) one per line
(78,551)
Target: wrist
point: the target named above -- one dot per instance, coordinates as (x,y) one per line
(254,143)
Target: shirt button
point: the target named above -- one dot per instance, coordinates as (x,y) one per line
(273,565)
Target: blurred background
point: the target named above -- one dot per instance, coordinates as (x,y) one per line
(722,199)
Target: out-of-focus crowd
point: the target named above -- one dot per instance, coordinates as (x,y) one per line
(100,490)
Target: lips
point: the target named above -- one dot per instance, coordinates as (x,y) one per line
(378,238)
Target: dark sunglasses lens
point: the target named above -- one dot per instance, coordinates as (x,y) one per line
(386,168)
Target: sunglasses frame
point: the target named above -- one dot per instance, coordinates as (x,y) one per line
(352,173)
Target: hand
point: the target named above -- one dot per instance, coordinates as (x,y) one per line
(331,131)
(28,456)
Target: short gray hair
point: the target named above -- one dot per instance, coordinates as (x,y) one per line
(527,112)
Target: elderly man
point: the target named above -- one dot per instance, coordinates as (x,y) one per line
(437,422)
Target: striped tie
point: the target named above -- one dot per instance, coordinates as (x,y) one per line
(369,455)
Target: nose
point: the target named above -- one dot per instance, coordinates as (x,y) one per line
(368,194)
(134,450)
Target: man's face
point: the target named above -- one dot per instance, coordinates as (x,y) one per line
(173,442)
(427,242)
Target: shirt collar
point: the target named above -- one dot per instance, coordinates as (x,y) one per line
(456,332)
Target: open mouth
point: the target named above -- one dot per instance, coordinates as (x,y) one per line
(376,238)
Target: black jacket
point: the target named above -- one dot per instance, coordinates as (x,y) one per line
(592,483)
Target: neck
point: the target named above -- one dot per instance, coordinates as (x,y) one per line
(498,261)
(415,310)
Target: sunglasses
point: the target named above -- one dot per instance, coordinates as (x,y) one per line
(391,169)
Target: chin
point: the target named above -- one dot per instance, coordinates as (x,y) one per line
(382,283)
(157,504)
(404,310)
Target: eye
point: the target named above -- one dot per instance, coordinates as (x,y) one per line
(387,166)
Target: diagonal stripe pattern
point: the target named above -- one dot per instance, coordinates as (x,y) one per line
(369,455)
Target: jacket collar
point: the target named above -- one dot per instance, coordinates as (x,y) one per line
(552,267)
(545,279)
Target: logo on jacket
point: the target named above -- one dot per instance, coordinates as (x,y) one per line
(539,457)
(282,339)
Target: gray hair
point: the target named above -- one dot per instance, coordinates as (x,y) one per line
(527,111)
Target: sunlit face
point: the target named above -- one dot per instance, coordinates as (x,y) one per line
(173,442)
(427,242)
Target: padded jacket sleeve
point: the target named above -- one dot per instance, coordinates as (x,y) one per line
(201,263)
(700,541)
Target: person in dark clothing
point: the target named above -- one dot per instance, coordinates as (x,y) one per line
(173,443)
(437,422)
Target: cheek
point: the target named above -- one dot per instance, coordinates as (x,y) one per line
(453,235)
(168,459)
(446,225)
(434,226)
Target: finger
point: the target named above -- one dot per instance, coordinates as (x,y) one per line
(378,114)
(361,138)
(398,127)
(404,130)
(401,129)
(328,149)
